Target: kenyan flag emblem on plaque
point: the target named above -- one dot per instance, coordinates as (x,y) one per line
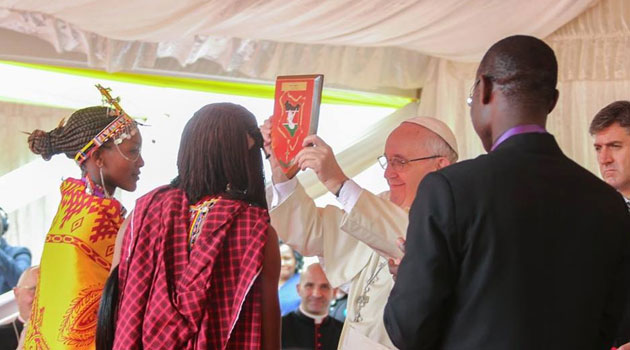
(296,113)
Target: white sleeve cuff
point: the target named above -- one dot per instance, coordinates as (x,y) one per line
(349,195)
(282,190)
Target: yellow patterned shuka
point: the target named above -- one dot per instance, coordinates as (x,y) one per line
(75,263)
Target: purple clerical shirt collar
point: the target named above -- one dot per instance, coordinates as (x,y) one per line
(520,129)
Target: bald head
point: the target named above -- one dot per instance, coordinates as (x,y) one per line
(28,278)
(525,68)
(25,291)
(315,290)
(313,272)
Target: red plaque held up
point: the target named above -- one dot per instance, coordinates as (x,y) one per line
(295,116)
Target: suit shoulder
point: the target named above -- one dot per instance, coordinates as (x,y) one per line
(592,180)
(288,317)
(465,168)
(288,320)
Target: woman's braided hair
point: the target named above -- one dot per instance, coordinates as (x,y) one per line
(82,126)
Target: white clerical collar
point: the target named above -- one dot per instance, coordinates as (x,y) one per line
(317,318)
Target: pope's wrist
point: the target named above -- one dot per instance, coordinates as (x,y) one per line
(338,190)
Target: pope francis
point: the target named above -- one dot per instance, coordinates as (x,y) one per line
(355,243)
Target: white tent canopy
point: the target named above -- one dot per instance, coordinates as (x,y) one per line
(409,48)
(386,46)
(369,44)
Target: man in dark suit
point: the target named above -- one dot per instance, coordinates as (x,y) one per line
(610,129)
(520,248)
(310,327)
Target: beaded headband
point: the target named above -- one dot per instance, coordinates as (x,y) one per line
(122,128)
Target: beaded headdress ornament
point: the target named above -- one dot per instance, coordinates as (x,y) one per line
(122,128)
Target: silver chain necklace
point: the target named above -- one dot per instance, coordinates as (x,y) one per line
(363,299)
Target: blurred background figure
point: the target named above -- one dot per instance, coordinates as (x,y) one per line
(338,307)
(13,260)
(11,333)
(290,265)
(310,327)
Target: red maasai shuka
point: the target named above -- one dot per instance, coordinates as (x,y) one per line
(209,298)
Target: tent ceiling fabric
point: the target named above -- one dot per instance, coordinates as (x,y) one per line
(367,44)
(372,45)
(595,45)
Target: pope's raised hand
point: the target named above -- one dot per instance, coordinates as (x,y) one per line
(317,155)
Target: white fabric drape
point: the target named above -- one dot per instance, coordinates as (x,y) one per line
(592,49)
(30,223)
(596,45)
(444,97)
(18,118)
(357,44)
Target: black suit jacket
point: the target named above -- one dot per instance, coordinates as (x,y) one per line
(518,249)
(300,333)
(10,334)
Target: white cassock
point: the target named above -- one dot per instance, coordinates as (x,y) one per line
(354,244)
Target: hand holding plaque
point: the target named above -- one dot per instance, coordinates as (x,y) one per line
(296,113)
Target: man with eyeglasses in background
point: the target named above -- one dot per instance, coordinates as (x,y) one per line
(356,242)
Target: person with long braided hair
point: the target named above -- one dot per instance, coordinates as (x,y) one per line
(199,262)
(79,246)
